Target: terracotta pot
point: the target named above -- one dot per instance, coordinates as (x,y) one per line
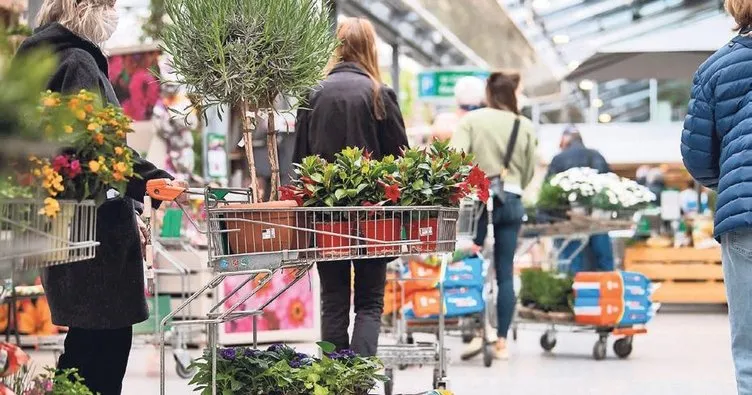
(276,233)
(387,230)
(425,230)
(332,245)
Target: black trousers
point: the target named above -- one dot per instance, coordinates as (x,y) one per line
(336,280)
(101,357)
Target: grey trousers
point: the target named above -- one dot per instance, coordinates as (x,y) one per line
(336,280)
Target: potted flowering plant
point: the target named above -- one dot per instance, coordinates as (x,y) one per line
(437,176)
(95,158)
(385,227)
(284,371)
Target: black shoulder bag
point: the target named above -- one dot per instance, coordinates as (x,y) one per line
(497,183)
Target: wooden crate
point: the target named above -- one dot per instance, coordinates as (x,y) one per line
(685,275)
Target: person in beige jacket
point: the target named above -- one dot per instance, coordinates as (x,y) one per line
(504,144)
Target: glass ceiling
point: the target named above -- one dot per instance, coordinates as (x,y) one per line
(566,32)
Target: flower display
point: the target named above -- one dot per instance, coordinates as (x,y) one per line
(587,187)
(96,157)
(282,370)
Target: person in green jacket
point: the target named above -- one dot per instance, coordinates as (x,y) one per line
(487,133)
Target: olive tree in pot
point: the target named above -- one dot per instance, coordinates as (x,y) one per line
(245,54)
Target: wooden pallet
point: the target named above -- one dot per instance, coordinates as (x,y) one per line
(686,275)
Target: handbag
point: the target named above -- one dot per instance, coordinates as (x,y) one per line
(497,182)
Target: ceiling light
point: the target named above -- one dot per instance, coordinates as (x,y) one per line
(597,103)
(587,85)
(604,118)
(560,39)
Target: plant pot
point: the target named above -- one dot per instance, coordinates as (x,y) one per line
(386,230)
(426,231)
(561,317)
(60,232)
(540,315)
(265,227)
(336,244)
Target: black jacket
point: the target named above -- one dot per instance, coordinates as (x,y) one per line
(341,114)
(108,291)
(577,155)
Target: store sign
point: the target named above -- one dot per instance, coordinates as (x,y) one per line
(439,84)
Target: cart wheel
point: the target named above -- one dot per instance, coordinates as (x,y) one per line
(599,350)
(389,384)
(410,339)
(548,341)
(488,355)
(184,372)
(623,347)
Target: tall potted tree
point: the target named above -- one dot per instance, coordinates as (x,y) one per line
(245,54)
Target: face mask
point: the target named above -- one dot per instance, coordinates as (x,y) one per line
(109,23)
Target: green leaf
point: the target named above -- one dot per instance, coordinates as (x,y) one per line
(339,194)
(326,347)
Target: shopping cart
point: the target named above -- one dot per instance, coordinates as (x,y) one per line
(30,241)
(255,241)
(575,229)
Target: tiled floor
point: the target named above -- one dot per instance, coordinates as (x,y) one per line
(683,354)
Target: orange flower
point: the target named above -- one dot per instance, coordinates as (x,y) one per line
(93,127)
(120,134)
(119,151)
(89,108)
(120,167)
(68,129)
(51,208)
(117,176)
(80,115)
(99,138)
(50,102)
(94,166)
(73,104)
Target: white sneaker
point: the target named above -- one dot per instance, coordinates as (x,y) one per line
(473,349)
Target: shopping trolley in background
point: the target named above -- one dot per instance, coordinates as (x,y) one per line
(255,241)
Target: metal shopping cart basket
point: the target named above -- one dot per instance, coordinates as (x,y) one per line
(30,240)
(256,240)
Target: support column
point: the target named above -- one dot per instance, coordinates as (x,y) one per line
(333,12)
(396,68)
(594,111)
(653,100)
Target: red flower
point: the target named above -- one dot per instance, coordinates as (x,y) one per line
(308,180)
(291,193)
(75,169)
(60,162)
(476,177)
(392,192)
(483,190)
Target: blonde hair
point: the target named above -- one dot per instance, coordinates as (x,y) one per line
(357,39)
(83,17)
(741,11)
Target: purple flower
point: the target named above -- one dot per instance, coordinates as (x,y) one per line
(295,363)
(228,354)
(251,352)
(276,347)
(301,356)
(342,355)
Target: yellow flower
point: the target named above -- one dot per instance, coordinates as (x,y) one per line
(120,134)
(100,159)
(50,102)
(37,173)
(68,129)
(51,208)
(48,171)
(120,167)
(73,104)
(94,166)
(81,115)
(119,151)
(93,127)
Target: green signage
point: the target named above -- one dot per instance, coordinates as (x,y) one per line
(439,84)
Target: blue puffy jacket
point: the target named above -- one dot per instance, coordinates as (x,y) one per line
(716,143)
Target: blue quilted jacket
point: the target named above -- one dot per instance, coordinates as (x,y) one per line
(716,143)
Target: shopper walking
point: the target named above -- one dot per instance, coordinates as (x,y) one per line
(469,95)
(352,108)
(99,300)
(574,154)
(716,151)
(504,145)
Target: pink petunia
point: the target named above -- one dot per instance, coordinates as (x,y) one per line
(75,169)
(60,162)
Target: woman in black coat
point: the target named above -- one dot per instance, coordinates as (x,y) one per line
(99,300)
(352,108)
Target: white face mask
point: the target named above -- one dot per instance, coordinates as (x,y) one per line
(109,23)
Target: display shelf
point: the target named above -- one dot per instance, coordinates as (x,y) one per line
(685,275)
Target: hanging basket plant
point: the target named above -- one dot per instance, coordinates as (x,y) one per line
(246,54)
